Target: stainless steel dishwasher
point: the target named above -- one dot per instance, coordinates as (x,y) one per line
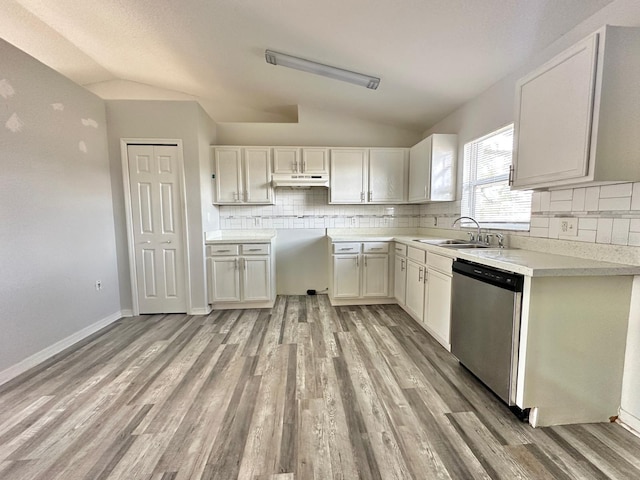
(485,324)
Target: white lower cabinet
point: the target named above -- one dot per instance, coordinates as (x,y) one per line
(400,280)
(437,307)
(359,273)
(415,289)
(241,276)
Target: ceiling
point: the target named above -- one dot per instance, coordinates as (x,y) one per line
(431,55)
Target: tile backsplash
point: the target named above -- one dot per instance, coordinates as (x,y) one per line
(606,214)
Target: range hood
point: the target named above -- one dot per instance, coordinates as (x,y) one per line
(299,180)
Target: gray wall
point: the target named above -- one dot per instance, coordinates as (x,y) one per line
(162,120)
(56,229)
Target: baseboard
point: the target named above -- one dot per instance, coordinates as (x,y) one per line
(56,348)
(629,421)
(127,313)
(201,311)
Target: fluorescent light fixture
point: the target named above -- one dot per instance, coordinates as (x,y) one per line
(276,58)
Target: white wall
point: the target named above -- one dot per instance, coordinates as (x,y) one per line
(494,109)
(162,119)
(56,216)
(317,128)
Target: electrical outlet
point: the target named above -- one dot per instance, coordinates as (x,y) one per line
(98,285)
(569,227)
(352,221)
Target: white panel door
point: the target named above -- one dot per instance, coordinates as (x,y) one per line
(286,160)
(224,279)
(554,115)
(387,175)
(400,280)
(256,278)
(346,276)
(257,173)
(228,171)
(375,282)
(420,170)
(315,160)
(158,222)
(415,289)
(348,175)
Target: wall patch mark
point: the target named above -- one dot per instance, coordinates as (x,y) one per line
(82,146)
(89,122)
(14,123)
(6,90)
(58,106)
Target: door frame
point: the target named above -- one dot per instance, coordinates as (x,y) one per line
(124,155)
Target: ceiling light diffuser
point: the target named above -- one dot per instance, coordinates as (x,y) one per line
(276,58)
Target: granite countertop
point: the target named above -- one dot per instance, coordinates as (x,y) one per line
(239,236)
(526,262)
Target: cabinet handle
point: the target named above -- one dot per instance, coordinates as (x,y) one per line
(511,172)
(357,261)
(402,265)
(221,251)
(375,248)
(295,166)
(371,196)
(362,196)
(236,263)
(304,165)
(425,275)
(254,249)
(425,191)
(347,249)
(420,274)
(365,260)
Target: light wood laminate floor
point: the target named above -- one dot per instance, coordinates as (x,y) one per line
(302,391)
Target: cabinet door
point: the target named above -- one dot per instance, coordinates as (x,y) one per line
(286,159)
(225,279)
(387,175)
(415,289)
(256,278)
(554,109)
(444,154)
(257,162)
(228,171)
(348,175)
(315,160)
(420,170)
(375,275)
(400,280)
(437,314)
(346,276)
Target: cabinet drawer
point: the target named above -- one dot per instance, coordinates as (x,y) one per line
(439,262)
(222,250)
(375,247)
(416,254)
(400,249)
(346,248)
(255,249)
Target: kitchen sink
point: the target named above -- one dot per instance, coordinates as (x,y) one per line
(451,243)
(442,241)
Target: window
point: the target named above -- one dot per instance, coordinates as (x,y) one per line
(486,195)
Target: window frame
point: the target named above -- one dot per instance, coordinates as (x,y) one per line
(470,182)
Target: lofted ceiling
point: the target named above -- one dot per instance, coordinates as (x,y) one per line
(431,55)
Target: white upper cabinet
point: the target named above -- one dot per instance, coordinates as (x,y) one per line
(242,175)
(432,169)
(349,169)
(387,175)
(315,160)
(577,115)
(309,160)
(360,175)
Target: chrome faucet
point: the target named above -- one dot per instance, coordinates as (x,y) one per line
(478,236)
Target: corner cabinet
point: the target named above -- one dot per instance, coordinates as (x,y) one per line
(432,169)
(242,175)
(359,273)
(241,275)
(577,115)
(375,175)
